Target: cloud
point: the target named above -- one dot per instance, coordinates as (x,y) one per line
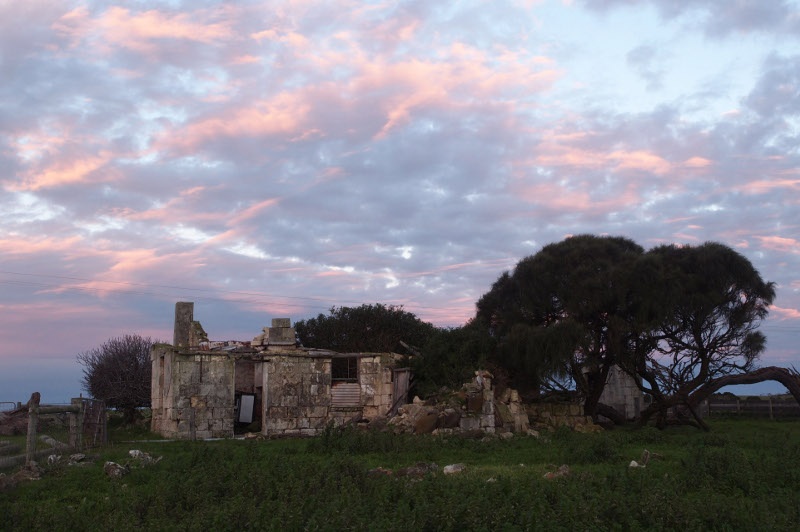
(720,18)
(781,244)
(785,313)
(643,60)
(143,31)
(274,160)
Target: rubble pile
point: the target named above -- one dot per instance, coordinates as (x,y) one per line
(475,408)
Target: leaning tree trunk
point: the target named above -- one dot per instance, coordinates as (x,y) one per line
(788,377)
(611,413)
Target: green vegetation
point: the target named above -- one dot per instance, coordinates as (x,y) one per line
(681,320)
(742,476)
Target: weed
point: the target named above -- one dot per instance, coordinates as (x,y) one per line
(737,477)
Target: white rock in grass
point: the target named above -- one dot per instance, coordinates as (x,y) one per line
(453,469)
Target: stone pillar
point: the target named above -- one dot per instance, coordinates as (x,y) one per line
(184,316)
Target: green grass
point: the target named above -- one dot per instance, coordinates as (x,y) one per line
(741,476)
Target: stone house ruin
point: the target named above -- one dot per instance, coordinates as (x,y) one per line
(203,389)
(623,394)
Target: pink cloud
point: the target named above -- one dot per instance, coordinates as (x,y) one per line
(252,210)
(31,244)
(785,313)
(780,244)
(697,162)
(763,186)
(640,160)
(283,114)
(245,59)
(65,172)
(118,26)
(556,149)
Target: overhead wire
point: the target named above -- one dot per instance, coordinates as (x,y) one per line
(238,296)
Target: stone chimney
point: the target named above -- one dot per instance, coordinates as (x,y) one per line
(184,316)
(281,332)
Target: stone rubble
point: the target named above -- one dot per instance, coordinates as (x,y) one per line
(562,471)
(452,469)
(475,409)
(115,470)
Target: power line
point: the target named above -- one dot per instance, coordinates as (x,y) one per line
(248,296)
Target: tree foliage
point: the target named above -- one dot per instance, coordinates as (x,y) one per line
(675,318)
(119,372)
(450,357)
(367,328)
(712,302)
(563,313)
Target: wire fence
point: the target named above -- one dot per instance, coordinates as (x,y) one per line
(762,407)
(77,426)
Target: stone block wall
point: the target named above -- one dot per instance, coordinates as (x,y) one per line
(298,387)
(622,393)
(297,394)
(480,412)
(192,395)
(375,378)
(554,415)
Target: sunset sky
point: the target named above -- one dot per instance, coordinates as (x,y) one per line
(272,159)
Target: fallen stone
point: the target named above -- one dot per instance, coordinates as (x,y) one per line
(645,459)
(52,442)
(115,470)
(426,423)
(417,471)
(143,457)
(379,472)
(562,471)
(449,418)
(452,469)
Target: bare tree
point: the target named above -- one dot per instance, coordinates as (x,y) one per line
(118,372)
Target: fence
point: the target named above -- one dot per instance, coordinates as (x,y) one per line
(87,428)
(767,407)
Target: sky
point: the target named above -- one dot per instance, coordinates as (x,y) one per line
(274,159)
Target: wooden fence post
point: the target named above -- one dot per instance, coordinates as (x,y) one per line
(73,430)
(33,418)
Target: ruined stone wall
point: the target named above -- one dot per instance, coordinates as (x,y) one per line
(192,394)
(375,378)
(554,415)
(622,393)
(297,393)
(480,411)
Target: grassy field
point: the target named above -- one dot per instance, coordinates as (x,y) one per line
(743,475)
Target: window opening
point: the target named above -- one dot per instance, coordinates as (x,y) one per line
(344,369)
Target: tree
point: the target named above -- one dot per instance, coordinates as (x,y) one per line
(450,357)
(367,328)
(119,372)
(712,301)
(564,313)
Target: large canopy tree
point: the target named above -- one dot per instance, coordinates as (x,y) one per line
(711,301)
(367,328)
(565,313)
